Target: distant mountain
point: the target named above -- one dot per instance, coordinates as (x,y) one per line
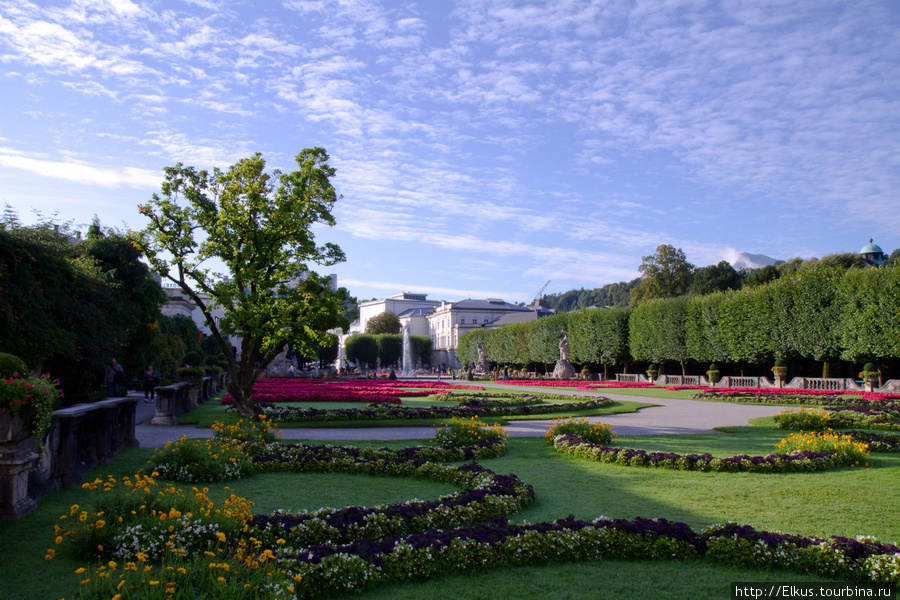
(745,260)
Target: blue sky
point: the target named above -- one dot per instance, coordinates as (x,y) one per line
(482,147)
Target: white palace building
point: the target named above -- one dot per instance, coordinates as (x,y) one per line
(444,322)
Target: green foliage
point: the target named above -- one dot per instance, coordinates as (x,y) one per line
(745,325)
(390,348)
(870,315)
(666,274)
(714,278)
(192,460)
(10,364)
(70,305)
(657,330)
(805,309)
(612,294)
(362,349)
(33,400)
(599,336)
(386,322)
(260,226)
(703,330)
(756,277)
(803,419)
(595,433)
(467,432)
(191,359)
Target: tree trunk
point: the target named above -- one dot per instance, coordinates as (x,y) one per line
(826,369)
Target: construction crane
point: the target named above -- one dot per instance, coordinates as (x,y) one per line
(540,294)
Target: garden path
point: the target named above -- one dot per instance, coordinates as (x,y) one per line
(669,416)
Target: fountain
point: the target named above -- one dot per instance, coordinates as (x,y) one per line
(407,365)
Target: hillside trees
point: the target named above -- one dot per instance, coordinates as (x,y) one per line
(260,227)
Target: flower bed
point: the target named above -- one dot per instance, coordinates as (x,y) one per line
(380,411)
(329,552)
(878,442)
(773,463)
(866,417)
(793,396)
(341,390)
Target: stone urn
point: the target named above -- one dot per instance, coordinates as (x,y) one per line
(15,428)
(17,456)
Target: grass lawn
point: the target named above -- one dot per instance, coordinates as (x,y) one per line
(845,501)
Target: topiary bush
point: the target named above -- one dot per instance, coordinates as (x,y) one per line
(11,364)
(191,358)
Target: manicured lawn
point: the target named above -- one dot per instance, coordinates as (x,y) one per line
(845,502)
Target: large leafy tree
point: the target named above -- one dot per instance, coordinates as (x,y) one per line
(666,274)
(714,278)
(259,226)
(386,322)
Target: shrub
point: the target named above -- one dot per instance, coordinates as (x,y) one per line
(191,359)
(595,433)
(467,432)
(803,420)
(10,364)
(848,450)
(201,461)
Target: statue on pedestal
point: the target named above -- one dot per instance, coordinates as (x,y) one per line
(564,370)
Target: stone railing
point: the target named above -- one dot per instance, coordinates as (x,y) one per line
(80,437)
(628,377)
(679,380)
(832,384)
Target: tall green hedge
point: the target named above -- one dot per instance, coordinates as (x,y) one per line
(822,314)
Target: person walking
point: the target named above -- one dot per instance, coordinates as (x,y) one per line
(151,380)
(114,377)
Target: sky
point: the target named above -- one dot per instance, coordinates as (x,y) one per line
(483,148)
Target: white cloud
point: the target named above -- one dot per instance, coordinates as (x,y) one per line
(80,172)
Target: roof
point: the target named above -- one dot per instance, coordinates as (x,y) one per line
(414,312)
(488,304)
(871,248)
(515,317)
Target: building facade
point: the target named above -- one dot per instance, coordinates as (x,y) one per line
(451,320)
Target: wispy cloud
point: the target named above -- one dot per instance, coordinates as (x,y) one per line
(79,172)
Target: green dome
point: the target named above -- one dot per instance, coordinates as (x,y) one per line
(871,248)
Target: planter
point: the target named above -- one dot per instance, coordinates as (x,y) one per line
(15,428)
(16,460)
(871,384)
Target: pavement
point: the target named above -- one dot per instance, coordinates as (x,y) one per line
(669,416)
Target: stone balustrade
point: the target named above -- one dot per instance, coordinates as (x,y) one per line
(80,437)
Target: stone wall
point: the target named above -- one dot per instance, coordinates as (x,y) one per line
(80,437)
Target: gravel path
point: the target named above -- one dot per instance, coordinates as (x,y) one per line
(670,416)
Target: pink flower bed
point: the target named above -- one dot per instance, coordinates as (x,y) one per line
(342,390)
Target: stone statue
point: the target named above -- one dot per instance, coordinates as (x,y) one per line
(481,365)
(564,370)
(564,347)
